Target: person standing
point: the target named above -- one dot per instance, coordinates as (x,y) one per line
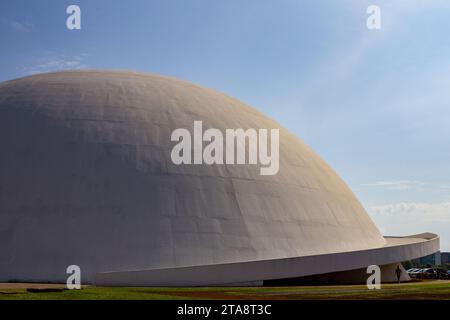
(398,273)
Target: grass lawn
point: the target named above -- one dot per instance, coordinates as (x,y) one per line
(438,289)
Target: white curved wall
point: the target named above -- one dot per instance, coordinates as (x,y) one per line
(255,272)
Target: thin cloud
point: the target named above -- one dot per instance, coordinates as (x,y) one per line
(55,62)
(407,218)
(401,185)
(431,212)
(18,26)
(394,185)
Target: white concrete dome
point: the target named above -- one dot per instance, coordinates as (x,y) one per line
(86,178)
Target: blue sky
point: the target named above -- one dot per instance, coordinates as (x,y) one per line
(375,104)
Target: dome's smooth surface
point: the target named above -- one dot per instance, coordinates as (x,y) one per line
(86,178)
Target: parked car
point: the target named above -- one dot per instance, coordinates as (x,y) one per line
(445,275)
(415,273)
(428,273)
(411,270)
(441,274)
